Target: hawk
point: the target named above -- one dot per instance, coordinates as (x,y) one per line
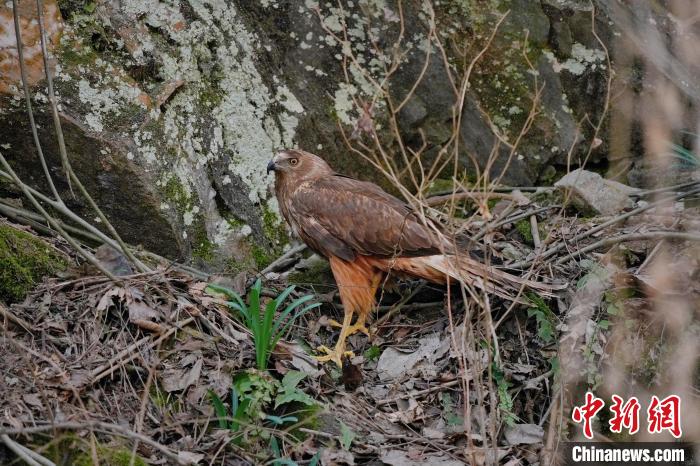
(366,233)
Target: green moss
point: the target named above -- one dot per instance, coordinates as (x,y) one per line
(129,114)
(274,229)
(210,94)
(319,272)
(523,227)
(176,194)
(261,257)
(24,259)
(502,77)
(548,176)
(440,185)
(110,457)
(233,222)
(74,55)
(233,267)
(202,248)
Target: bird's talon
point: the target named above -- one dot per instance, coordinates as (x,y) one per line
(334,323)
(333,355)
(358,328)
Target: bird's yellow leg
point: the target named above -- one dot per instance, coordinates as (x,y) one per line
(358,326)
(336,354)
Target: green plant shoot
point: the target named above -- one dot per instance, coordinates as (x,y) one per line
(266,327)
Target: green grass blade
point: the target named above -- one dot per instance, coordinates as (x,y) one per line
(219,409)
(277,336)
(274,446)
(234,408)
(267,326)
(236,302)
(280,299)
(288,310)
(255,325)
(223,290)
(315,459)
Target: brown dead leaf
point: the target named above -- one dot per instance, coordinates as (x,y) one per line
(187,457)
(409,411)
(334,457)
(402,458)
(527,434)
(33,399)
(138,310)
(107,299)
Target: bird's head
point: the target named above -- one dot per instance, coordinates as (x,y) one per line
(298,165)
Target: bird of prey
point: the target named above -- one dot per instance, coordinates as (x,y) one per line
(366,233)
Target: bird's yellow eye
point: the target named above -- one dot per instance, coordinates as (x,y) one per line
(293,162)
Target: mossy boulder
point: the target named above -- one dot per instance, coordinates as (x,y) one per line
(24,260)
(171,110)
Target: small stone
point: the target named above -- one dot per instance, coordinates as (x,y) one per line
(590,191)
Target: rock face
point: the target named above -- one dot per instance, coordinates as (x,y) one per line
(29,27)
(172,110)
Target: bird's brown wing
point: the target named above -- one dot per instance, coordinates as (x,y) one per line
(343,217)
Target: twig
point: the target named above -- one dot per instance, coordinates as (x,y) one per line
(437,200)
(532,381)
(535,232)
(184,268)
(19,451)
(512,219)
(498,189)
(119,360)
(95,425)
(405,396)
(17,320)
(664,189)
(273,267)
(61,208)
(38,355)
(28,98)
(319,433)
(397,307)
(552,251)
(210,325)
(628,237)
(33,220)
(80,250)
(41,459)
(64,155)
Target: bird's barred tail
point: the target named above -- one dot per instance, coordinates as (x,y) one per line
(474,273)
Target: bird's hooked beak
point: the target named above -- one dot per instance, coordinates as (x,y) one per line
(271,166)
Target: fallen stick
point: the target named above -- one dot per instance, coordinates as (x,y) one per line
(512,219)
(118,361)
(628,237)
(282,259)
(552,251)
(13,318)
(436,388)
(20,451)
(437,200)
(98,426)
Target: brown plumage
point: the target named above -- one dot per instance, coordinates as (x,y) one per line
(366,233)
